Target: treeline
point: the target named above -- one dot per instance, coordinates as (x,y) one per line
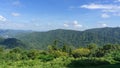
(64,56)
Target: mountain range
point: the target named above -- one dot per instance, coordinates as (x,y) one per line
(40,40)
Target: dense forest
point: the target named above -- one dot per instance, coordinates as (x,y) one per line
(91,56)
(93,48)
(99,36)
(40,40)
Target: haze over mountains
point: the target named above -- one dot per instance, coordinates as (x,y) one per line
(40,40)
(9,33)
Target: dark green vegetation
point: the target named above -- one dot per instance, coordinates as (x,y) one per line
(94,48)
(12,43)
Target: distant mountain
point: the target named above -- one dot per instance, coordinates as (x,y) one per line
(8,40)
(99,36)
(12,33)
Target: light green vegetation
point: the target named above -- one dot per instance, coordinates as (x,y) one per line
(90,56)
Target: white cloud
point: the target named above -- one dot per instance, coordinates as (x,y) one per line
(65,25)
(2,19)
(103,25)
(76,24)
(100,6)
(104,15)
(105,8)
(15,14)
(73,24)
(111,10)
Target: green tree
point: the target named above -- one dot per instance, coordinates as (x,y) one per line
(65,48)
(59,53)
(33,54)
(81,52)
(1,49)
(16,50)
(93,47)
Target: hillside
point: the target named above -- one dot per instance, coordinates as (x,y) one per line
(12,43)
(40,40)
(99,36)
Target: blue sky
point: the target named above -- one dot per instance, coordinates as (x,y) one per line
(42,15)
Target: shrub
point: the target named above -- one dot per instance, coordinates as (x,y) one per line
(80,52)
(59,53)
(115,55)
(46,57)
(88,62)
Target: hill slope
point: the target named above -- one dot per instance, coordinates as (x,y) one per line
(12,43)
(99,36)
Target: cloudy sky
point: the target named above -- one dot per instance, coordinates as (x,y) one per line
(42,15)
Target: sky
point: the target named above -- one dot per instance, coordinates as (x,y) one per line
(43,15)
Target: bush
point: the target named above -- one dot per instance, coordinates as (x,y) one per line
(80,52)
(61,62)
(46,57)
(88,62)
(33,54)
(59,53)
(115,55)
(12,56)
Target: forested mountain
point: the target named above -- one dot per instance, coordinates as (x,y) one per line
(98,36)
(8,40)
(20,52)
(40,40)
(12,43)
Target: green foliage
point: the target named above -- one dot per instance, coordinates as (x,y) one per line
(100,52)
(88,62)
(44,58)
(115,55)
(59,53)
(33,54)
(81,52)
(60,57)
(12,57)
(16,50)
(1,49)
(92,46)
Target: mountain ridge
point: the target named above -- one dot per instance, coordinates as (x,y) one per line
(98,36)
(40,40)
